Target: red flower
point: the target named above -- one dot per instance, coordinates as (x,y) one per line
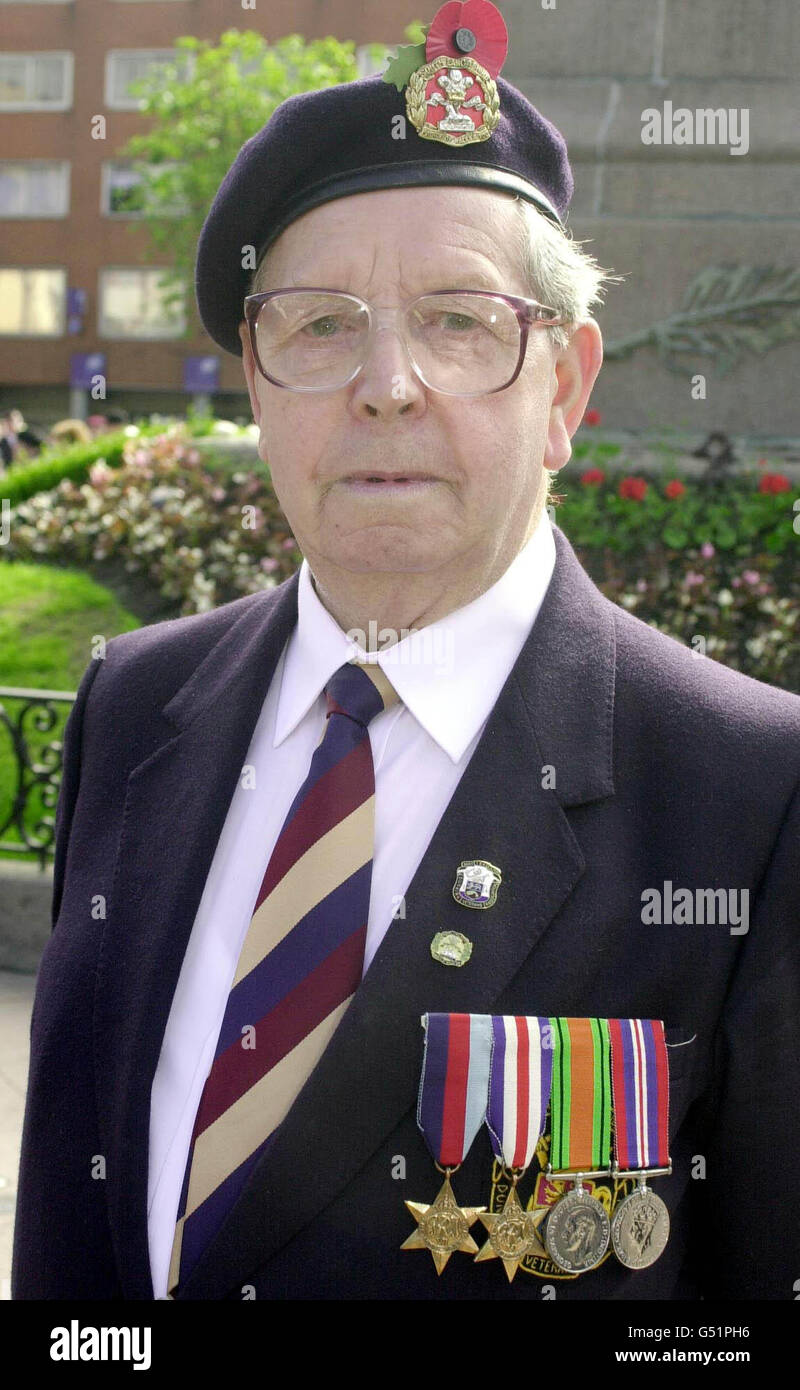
(774,482)
(486,23)
(634,488)
(593,475)
(674,488)
(592,417)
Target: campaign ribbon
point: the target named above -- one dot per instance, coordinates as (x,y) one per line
(454,1084)
(519,1086)
(640,1084)
(581,1095)
(451,1108)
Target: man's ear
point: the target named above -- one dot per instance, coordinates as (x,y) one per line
(249,371)
(575,369)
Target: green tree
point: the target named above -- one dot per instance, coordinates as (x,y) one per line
(204,106)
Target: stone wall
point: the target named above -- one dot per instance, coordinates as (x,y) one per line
(658,214)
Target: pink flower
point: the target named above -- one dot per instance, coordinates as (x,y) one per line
(707,550)
(691,579)
(750,576)
(100,473)
(289,544)
(218,494)
(593,476)
(269,564)
(641,585)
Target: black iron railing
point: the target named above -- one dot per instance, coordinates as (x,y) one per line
(30,768)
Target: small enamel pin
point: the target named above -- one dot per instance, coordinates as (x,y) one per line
(477,882)
(451,948)
(451,95)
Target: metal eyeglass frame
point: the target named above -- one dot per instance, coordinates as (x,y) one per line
(525,310)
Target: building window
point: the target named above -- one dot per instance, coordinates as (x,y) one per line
(131,305)
(126,65)
(32,301)
(36,81)
(34,188)
(122,192)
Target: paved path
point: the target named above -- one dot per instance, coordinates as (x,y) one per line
(16,1002)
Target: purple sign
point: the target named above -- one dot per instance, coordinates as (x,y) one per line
(84,366)
(76,302)
(200,373)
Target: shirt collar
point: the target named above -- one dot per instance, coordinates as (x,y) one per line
(448,674)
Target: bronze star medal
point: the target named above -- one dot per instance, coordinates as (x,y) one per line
(513,1234)
(442,1227)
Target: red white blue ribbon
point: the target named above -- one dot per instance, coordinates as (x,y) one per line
(519,1086)
(454,1084)
(640,1089)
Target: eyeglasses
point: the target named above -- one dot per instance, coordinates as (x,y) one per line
(459,342)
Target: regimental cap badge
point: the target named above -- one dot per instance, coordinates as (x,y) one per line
(477,882)
(451,95)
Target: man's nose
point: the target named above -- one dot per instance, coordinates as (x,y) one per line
(387,384)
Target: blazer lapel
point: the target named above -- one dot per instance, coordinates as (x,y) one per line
(175,807)
(555,710)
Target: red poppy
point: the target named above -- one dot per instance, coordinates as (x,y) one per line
(592,417)
(634,488)
(593,475)
(486,23)
(674,488)
(774,482)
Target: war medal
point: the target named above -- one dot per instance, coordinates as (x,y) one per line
(519,1092)
(577,1229)
(640,1086)
(451,1108)
(452,97)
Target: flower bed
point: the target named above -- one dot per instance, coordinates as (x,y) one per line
(167,516)
(713,565)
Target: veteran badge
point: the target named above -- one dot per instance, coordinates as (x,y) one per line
(477,882)
(452,97)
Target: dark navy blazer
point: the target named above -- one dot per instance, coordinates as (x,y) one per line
(668,767)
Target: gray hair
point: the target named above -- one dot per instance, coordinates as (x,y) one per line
(558,272)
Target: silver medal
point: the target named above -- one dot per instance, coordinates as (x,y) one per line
(577,1231)
(640,1228)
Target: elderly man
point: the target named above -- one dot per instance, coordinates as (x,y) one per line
(434,778)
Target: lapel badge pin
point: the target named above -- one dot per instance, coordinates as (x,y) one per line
(477,882)
(451,948)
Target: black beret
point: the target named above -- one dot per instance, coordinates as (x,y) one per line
(338,141)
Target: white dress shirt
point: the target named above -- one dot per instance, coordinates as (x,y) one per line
(448,677)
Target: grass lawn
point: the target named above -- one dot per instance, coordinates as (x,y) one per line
(48,616)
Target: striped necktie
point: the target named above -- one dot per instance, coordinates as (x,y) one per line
(299,967)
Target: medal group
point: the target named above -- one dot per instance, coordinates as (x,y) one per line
(509,1072)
